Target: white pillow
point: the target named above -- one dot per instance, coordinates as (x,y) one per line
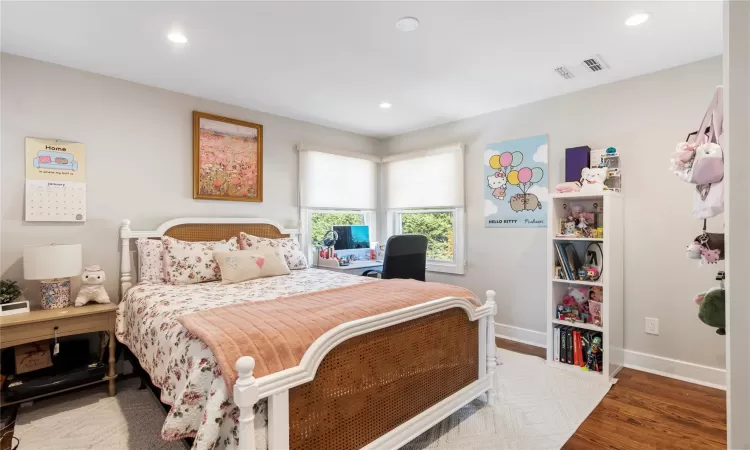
(247,265)
(289,247)
(150,260)
(193,262)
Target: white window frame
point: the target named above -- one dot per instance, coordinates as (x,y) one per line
(458,265)
(369,218)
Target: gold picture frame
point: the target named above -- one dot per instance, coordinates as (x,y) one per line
(227,159)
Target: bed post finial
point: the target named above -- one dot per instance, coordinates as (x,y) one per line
(491,347)
(125,279)
(246,395)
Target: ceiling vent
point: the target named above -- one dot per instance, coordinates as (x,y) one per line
(564,72)
(595,64)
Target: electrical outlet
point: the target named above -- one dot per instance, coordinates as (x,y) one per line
(652,325)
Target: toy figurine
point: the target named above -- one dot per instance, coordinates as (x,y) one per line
(592,273)
(569,227)
(585,318)
(595,358)
(581,274)
(560,312)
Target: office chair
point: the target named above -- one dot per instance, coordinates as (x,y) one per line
(405,257)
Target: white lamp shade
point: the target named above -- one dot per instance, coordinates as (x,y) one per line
(45,262)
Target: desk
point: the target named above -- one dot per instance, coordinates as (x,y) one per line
(355,267)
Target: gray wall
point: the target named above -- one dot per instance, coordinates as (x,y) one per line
(139,154)
(644,118)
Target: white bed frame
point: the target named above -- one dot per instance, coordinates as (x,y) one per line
(248,390)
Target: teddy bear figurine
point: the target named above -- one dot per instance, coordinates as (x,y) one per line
(92,280)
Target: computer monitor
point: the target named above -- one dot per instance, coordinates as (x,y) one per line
(352,236)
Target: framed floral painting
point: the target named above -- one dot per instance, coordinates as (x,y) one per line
(227,159)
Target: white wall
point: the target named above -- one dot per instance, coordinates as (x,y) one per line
(644,118)
(737,143)
(139,154)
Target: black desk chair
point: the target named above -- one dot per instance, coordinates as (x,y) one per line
(405,257)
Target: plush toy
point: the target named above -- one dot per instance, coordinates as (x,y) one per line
(711,309)
(92,287)
(592,180)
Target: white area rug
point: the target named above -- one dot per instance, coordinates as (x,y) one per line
(91,420)
(537,407)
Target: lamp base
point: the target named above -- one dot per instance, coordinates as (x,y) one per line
(56,293)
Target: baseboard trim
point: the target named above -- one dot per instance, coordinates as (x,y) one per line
(679,370)
(658,365)
(522,335)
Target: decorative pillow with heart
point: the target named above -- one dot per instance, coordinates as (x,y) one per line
(247,265)
(193,262)
(289,247)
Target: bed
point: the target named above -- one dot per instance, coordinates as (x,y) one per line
(347,391)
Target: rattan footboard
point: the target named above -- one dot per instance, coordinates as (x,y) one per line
(372,383)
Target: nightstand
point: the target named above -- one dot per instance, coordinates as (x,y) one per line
(42,325)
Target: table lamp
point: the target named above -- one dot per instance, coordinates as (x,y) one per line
(53,265)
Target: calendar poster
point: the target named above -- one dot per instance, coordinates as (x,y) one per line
(55,181)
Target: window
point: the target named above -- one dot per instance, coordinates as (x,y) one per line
(419,202)
(322,221)
(437,226)
(335,189)
(444,231)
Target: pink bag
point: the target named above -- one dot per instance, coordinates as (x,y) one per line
(701,159)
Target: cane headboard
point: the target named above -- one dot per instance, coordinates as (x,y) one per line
(195,229)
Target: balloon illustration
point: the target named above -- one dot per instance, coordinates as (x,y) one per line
(506,159)
(536,174)
(517,159)
(524,175)
(495,162)
(513,177)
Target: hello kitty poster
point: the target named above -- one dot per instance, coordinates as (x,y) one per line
(516,184)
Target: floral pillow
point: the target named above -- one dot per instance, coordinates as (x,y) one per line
(290,248)
(150,260)
(193,262)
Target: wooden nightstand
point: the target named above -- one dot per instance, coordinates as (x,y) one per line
(40,325)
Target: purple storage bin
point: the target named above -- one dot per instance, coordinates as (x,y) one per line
(576,159)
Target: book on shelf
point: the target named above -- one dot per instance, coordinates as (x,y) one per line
(563,261)
(569,345)
(556,344)
(563,349)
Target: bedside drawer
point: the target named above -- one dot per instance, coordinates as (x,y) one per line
(38,331)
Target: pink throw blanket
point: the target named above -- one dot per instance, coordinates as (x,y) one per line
(278,332)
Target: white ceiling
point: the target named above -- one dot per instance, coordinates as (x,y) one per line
(332,63)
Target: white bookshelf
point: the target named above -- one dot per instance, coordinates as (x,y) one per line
(611,280)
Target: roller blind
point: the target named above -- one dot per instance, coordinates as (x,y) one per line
(427,179)
(335,181)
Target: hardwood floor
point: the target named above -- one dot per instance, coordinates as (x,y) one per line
(645,411)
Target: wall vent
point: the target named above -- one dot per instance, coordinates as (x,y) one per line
(564,72)
(595,64)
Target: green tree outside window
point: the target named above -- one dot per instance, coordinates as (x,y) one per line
(438,227)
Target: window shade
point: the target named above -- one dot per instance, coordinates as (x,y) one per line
(334,181)
(428,179)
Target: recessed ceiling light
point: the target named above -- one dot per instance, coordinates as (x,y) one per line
(407,24)
(385,105)
(177,37)
(637,19)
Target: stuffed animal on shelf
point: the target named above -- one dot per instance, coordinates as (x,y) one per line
(711,309)
(92,288)
(592,180)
